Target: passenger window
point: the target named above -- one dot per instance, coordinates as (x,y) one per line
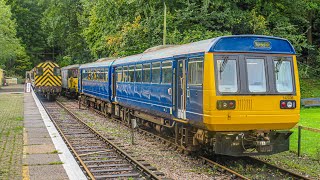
(119,74)
(131,74)
(146,73)
(167,72)
(195,71)
(256,75)
(138,73)
(125,73)
(156,72)
(106,74)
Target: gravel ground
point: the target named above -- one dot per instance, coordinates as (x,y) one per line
(11,136)
(173,164)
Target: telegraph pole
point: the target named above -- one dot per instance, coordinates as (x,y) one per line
(164,23)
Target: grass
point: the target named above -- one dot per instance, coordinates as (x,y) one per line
(56,163)
(310,117)
(11,136)
(310,88)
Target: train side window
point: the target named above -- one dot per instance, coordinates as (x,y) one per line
(138,73)
(39,71)
(167,72)
(125,73)
(106,74)
(119,74)
(155,72)
(195,71)
(131,73)
(146,73)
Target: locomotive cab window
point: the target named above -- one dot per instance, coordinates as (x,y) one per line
(146,73)
(283,76)
(227,75)
(256,75)
(56,71)
(167,72)
(195,71)
(155,72)
(39,71)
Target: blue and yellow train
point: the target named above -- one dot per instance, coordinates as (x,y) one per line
(233,95)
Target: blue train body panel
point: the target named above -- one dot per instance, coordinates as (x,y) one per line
(97,89)
(145,96)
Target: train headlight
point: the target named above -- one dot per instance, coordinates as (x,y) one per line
(226,104)
(287,104)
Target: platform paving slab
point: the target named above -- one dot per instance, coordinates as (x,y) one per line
(39,159)
(45,154)
(47,172)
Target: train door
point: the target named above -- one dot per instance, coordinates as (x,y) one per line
(113,83)
(180,88)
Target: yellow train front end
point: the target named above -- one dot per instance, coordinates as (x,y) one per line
(251,99)
(47,80)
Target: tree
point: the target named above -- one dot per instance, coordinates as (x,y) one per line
(12,56)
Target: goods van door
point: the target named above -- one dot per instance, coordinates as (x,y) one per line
(180,88)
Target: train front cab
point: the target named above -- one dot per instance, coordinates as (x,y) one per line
(249,95)
(47,80)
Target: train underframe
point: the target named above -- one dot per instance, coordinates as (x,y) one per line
(48,92)
(70,93)
(194,138)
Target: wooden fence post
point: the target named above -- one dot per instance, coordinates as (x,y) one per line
(299,140)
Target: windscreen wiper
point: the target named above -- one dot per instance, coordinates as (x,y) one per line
(278,65)
(223,65)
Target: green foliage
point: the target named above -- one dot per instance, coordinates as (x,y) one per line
(78,31)
(13,56)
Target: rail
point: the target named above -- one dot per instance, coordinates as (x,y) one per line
(143,170)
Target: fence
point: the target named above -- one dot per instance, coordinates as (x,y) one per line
(313,143)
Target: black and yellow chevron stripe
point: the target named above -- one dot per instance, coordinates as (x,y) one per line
(47,78)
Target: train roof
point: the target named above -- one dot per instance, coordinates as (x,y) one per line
(234,43)
(97,64)
(71,67)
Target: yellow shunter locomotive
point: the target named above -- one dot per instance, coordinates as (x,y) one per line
(70,80)
(47,79)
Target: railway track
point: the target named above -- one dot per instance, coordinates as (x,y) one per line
(99,157)
(217,164)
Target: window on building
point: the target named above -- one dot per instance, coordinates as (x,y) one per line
(146,73)
(155,72)
(195,71)
(167,72)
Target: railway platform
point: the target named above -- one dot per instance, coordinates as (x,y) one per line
(45,155)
